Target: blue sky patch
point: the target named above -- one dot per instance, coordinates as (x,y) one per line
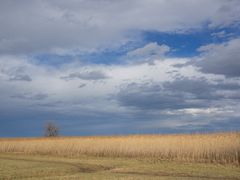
(181,44)
(186,44)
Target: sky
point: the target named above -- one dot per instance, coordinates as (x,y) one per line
(109,67)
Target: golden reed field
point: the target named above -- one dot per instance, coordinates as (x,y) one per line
(213,148)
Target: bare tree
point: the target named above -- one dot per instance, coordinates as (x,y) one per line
(51,130)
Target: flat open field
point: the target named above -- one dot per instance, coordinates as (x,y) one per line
(198,156)
(18,166)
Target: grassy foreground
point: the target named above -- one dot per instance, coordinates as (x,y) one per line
(19,166)
(196,156)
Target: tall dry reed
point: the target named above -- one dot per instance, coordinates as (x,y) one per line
(215,148)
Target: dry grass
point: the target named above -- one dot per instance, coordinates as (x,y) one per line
(215,148)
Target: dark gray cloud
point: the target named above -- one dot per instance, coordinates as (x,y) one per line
(223,59)
(21,77)
(82,85)
(155,97)
(92,75)
(30,96)
(178,94)
(201,88)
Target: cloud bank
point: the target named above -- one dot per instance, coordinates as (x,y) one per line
(73,26)
(89,66)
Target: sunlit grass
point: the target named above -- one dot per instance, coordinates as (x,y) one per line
(212,148)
